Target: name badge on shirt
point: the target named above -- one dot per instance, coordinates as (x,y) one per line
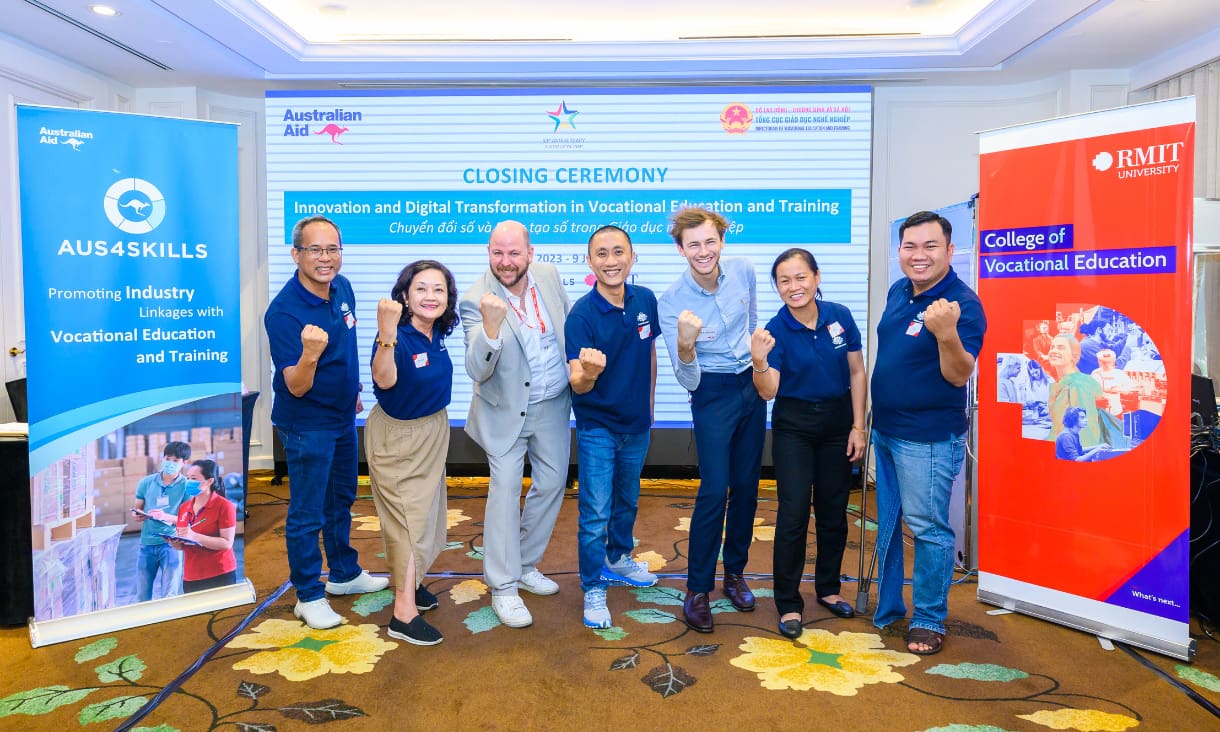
(350,319)
(549,340)
(645,331)
(707,334)
(835,329)
(421,360)
(163,500)
(914,328)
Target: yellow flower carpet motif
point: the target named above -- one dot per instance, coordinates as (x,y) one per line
(298,652)
(652,559)
(836,663)
(367,523)
(1085,720)
(454,516)
(761,533)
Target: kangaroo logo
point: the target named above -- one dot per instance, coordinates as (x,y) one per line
(334,131)
(134,205)
(75,143)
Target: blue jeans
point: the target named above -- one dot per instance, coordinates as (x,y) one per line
(915,481)
(730,424)
(321,490)
(159,557)
(608,468)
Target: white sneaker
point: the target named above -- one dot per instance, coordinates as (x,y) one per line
(597,615)
(364,582)
(537,583)
(628,572)
(511,611)
(317,614)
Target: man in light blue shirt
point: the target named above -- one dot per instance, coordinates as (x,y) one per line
(159,495)
(707,317)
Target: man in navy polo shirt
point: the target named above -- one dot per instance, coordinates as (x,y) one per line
(311,326)
(614,324)
(927,341)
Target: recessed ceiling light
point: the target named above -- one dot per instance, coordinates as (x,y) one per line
(105,10)
(332,9)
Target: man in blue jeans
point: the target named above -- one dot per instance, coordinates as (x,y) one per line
(612,364)
(311,326)
(708,316)
(159,495)
(927,341)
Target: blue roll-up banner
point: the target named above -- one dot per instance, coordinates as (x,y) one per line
(129,230)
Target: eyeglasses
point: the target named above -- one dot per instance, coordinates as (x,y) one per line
(317,252)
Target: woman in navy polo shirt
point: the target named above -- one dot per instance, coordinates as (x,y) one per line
(406,437)
(808,359)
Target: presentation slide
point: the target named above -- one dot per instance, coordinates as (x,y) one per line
(414,174)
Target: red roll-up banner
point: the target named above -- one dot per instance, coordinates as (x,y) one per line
(1085,239)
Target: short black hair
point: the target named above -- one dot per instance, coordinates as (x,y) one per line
(179,450)
(609,229)
(449,319)
(924,217)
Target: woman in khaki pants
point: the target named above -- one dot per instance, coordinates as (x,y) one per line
(406,436)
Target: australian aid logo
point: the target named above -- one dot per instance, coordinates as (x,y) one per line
(329,123)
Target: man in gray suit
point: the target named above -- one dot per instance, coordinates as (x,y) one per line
(514,318)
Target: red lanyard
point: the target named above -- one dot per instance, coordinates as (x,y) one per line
(521,313)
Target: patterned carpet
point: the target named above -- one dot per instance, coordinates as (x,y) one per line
(258,668)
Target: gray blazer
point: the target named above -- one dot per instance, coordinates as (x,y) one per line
(501,391)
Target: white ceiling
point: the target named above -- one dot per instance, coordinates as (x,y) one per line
(236,44)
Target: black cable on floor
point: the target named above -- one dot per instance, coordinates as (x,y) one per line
(1195,696)
(190,671)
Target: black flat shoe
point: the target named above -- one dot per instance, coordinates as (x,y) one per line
(425,600)
(841,609)
(790,628)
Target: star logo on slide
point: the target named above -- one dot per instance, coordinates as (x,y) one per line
(1102,161)
(736,119)
(563,116)
(134,205)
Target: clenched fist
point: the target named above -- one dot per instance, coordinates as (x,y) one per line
(761,343)
(313,341)
(941,317)
(389,314)
(689,328)
(493,310)
(592,362)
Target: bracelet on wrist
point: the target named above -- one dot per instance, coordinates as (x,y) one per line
(761,371)
(861,430)
(383,344)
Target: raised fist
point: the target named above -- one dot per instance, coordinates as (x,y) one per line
(389,314)
(761,343)
(313,341)
(689,327)
(493,310)
(941,317)
(592,362)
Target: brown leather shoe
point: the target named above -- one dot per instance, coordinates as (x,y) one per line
(698,612)
(738,593)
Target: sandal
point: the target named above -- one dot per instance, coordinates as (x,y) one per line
(923,636)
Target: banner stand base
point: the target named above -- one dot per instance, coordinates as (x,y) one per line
(1185,652)
(59,630)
